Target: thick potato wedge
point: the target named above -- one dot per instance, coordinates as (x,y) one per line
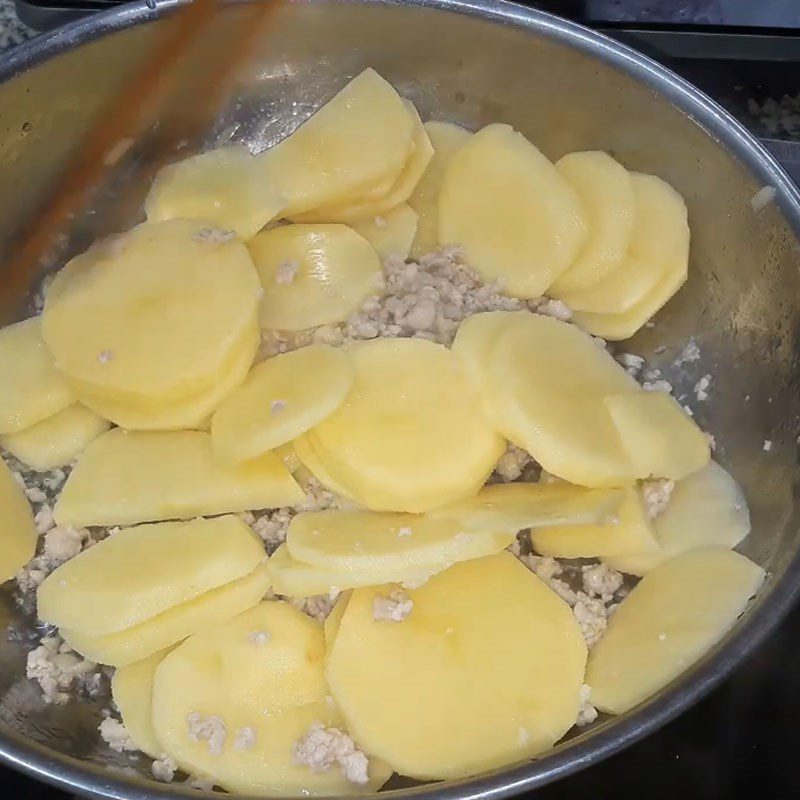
(127,477)
(18,533)
(390,233)
(672,618)
(517,219)
(452,673)
(140,572)
(313,274)
(31,388)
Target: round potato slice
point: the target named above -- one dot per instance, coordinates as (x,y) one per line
(258,683)
(390,233)
(547,380)
(606,193)
(411,434)
(517,219)
(313,274)
(673,617)
(18,535)
(487,647)
(153,315)
(282,397)
(310,459)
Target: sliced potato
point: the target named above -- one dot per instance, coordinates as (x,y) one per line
(132,690)
(334,619)
(18,533)
(57,440)
(659,247)
(546,381)
(452,673)
(358,139)
(517,219)
(360,541)
(283,397)
(288,455)
(276,689)
(127,477)
(223,186)
(410,435)
(514,507)
(310,459)
(606,193)
(140,572)
(390,233)
(446,138)
(631,534)
(31,389)
(672,618)
(313,274)
(154,315)
(660,438)
(174,625)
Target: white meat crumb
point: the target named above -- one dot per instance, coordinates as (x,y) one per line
(33,493)
(600,580)
(276,406)
(690,353)
(701,388)
(511,463)
(656,494)
(547,570)
(658,385)
(633,364)
(587,713)
(767,445)
(55,668)
(394,608)
(115,735)
(62,544)
(200,783)
(164,768)
(317,606)
(287,272)
(209,729)
(592,618)
(245,738)
(259,637)
(321,747)
(557,309)
(44,519)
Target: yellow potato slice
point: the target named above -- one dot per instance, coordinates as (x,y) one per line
(283,397)
(31,389)
(18,534)
(606,193)
(275,688)
(410,435)
(660,438)
(287,454)
(140,572)
(659,247)
(57,440)
(132,690)
(452,674)
(127,477)
(358,139)
(225,186)
(390,233)
(446,138)
(631,534)
(363,541)
(517,219)
(154,315)
(545,389)
(334,619)
(671,619)
(516,506)
(313,274)
(174,625)
(311,460)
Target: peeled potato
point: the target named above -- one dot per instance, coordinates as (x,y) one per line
(631,534)
(410,434)
(174,625)
(307,454)
(390,233)
(446,138)
(282,398)
(334,619)
(18,534)
(31,389)
(127,477)
(672,618)
(57,440)
(517,219)
(137,573)
(516,506)
(356,140)
(661,439)
(331,271)
(606,193)
(276,688)
(223,186)
(545,388)
(659,247)
(360,541)
(154,315)
(132,690)
(487,647)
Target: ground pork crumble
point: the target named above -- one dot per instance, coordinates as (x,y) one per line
(57,669)
(210,729)
(115,735)
(321,747)
(394,607)
(656,494)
